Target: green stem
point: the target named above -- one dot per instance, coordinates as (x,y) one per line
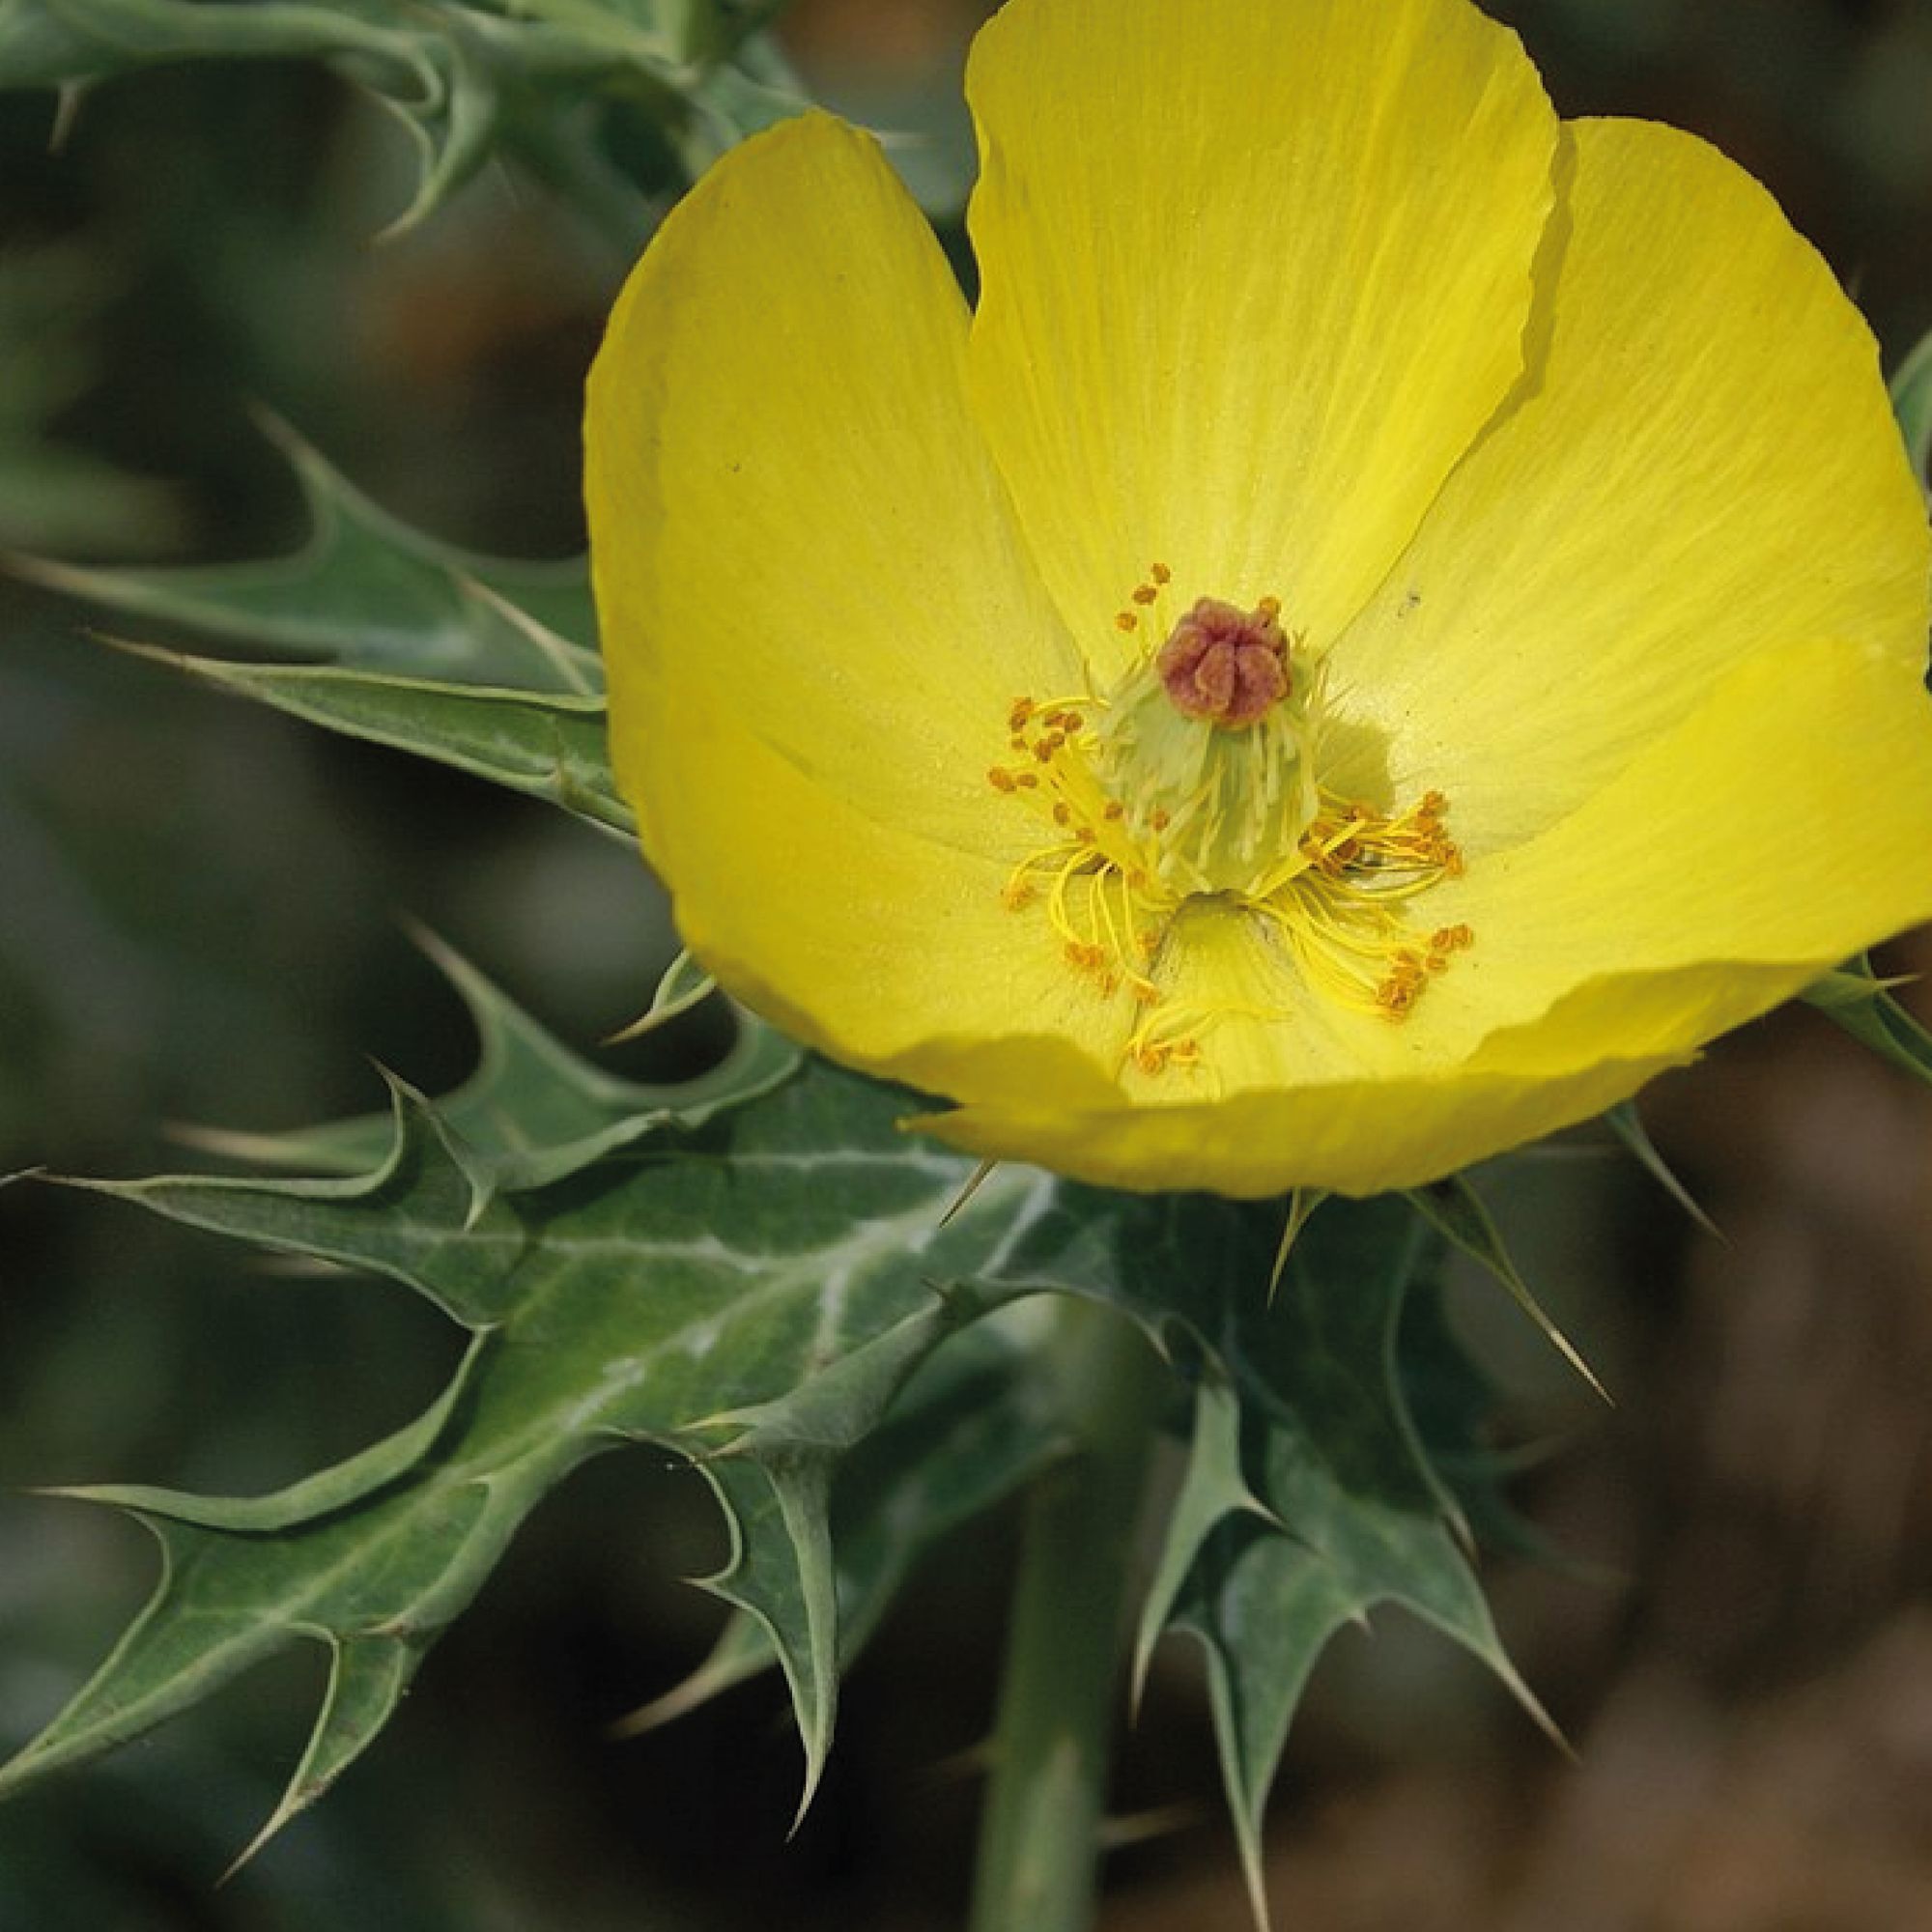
(1039,1836)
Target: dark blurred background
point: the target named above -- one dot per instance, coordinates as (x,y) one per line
(201,912)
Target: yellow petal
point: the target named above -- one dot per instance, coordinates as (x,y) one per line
(816,614)
(1780,828)
(1704,471)
(791,512)
(1358,1137)
(873,945)
(1253,278)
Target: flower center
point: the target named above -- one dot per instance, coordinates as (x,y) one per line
(1206,744)
(1192,785)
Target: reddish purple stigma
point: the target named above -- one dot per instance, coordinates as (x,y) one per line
(1226,666)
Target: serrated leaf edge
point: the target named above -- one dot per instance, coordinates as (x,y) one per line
(1458,1212)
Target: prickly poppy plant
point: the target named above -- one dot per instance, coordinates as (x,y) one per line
(1382,620)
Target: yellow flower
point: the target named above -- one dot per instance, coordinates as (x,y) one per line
(1395,619)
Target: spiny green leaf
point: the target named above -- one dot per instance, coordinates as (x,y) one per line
(537,81)
(1861,1002)
(972,1424)
(65,43)
(367,593)
(520,86)
(756,1292)
(780,1575)
(226,1601)
(427,1214)
(545,746)
(533,1111)
(1443,1404)
(1349,1513)
(750,1294)
(1344,1516)
(487,666)
(1627,1124)
(1302,1203)
(685,984)
(367,1676)
(335,1487)
(1263,1609)
(1213,1488)
(778,1470)
(1456,1209)
(1856,984)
